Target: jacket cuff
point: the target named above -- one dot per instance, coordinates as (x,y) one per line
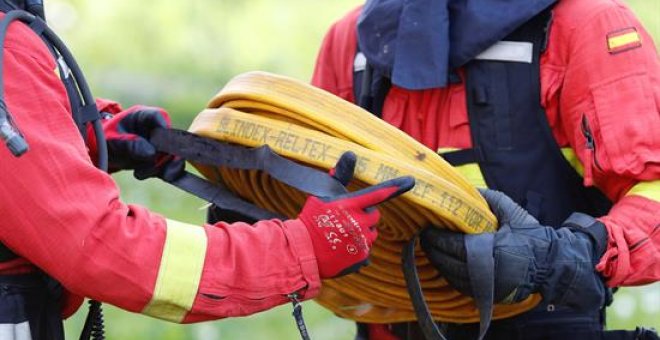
(593,228)
(109,106)
(614,265)
(631,257)
(301,245)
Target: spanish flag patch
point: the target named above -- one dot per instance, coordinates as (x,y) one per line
(623,40)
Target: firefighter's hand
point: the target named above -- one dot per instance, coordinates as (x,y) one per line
(529,258)
(342,227)
(127,135)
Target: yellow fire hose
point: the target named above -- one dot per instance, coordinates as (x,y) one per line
(314,128)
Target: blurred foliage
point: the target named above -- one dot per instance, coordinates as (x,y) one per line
(177,54)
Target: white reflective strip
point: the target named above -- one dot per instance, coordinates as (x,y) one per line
(360,62)
(515,51)
(64,67)
(20,331)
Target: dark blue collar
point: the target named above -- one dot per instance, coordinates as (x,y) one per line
(417,43)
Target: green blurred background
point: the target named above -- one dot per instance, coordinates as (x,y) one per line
(177,54)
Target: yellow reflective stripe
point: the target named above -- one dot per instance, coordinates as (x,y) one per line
(180,272)
(650,190)
(573,160)
(473,173)
(470,171)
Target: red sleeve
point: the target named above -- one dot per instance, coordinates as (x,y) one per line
(611,92)
(65,216)
(109,106)
(333,71)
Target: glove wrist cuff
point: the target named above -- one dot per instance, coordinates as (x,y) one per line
(593,228)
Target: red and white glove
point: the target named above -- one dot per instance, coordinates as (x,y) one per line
(342,227)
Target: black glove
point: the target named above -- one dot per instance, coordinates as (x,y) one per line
(529,257)
(127,135)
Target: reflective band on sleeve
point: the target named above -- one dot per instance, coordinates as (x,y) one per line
(573,160)
(473,174)
(650,190)
(180,272)
(470,171)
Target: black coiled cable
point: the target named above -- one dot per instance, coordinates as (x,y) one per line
(94,325)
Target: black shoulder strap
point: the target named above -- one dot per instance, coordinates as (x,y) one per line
(7,5)
(370,87)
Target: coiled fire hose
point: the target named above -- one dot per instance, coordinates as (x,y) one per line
(314,128)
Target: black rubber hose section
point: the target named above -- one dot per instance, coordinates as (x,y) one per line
(12,138)
(36,7)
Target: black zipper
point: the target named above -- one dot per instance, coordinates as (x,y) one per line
(638,244)
(591,142)
(644,240)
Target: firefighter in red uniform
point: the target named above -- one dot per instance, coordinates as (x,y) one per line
(554,103)
(62,216)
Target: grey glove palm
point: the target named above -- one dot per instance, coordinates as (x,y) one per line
(529,257)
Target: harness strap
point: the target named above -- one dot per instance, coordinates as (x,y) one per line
(370,88)
(88,113)
(220,197)
(481,267)
(424,318)
(464,156)
(366,98)
(210,152)
(38,26)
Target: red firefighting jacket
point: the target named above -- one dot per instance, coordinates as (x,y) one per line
(599,61)
(64,216)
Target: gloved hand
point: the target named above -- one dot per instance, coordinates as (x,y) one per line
(529,258)
(342,227)
(127,135)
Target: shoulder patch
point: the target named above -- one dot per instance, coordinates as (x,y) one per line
(623,40)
